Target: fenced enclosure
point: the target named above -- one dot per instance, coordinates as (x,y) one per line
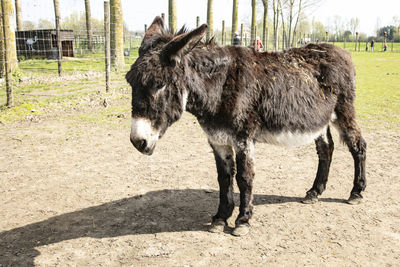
(75,192)
(81,53)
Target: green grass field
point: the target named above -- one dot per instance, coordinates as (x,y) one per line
(378,88)
(377,104)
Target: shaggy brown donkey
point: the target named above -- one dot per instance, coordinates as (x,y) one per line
(241,97)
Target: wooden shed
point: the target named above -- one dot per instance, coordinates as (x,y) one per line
(43,43)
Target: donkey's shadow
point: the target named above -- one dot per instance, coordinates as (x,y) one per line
(154,212)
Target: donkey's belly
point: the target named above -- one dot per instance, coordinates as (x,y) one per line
(288,138)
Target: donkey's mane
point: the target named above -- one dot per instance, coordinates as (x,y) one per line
(167,35)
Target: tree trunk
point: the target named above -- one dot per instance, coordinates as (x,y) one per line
(223,33)
(56,9)
(117,35)
(234,18)
(18,15)
(297,21)
(9,44)
(58,25)
(2,60)
(89,25)
(284,37)
(253,20)
(172,15)
(265,26)
(289,40)
(107,46)
(210,14)
(276,21)
(9,57)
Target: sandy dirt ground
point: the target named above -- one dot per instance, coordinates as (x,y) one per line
(79,194)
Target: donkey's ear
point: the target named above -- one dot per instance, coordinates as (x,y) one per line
(155,28)
(175,49)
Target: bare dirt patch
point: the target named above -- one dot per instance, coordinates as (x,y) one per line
(79,194)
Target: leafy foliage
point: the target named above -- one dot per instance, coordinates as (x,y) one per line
(390,30)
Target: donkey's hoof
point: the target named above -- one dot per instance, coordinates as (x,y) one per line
(241,230)
(355,199)
(309,199)
(217,226)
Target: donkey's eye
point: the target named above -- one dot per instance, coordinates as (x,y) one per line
(160,87)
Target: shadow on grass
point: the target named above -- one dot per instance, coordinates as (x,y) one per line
(154,212)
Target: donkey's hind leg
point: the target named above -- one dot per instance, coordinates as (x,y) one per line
(226,167)
(351,135)
(324,145)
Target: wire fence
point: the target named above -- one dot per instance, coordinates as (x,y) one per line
(34,52)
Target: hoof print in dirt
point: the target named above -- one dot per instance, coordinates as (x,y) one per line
(241,230)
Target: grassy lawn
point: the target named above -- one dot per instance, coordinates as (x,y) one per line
(378,88)
(42,91)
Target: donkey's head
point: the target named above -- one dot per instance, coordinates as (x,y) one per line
(158,89)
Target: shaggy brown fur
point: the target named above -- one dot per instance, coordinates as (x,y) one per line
(241,96)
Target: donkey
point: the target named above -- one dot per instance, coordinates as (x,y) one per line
(241,97)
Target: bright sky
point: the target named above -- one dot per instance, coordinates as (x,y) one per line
(139,12)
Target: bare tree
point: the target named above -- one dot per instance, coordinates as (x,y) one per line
(234,18)
(18,16)
(117,35)
(9,56)
(353,25)
(89,25)
(291,12)
(338,25)
(2,50)
(299,10)
(275,8)
(58,27)
(172,15)
(253,20)
(210,14)
(281,4)
(265,24)
(396,23)
(56,10)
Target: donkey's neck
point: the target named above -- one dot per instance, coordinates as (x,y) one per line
(205,73)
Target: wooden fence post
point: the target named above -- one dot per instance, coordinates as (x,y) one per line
(384,41)
(197,21)
(7,69)
(255,37)
(355,49)
(241,34)
(223,32)
(58,30)
(107,43)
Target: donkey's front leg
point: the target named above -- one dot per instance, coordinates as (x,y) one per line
(244,179)
(225,160)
